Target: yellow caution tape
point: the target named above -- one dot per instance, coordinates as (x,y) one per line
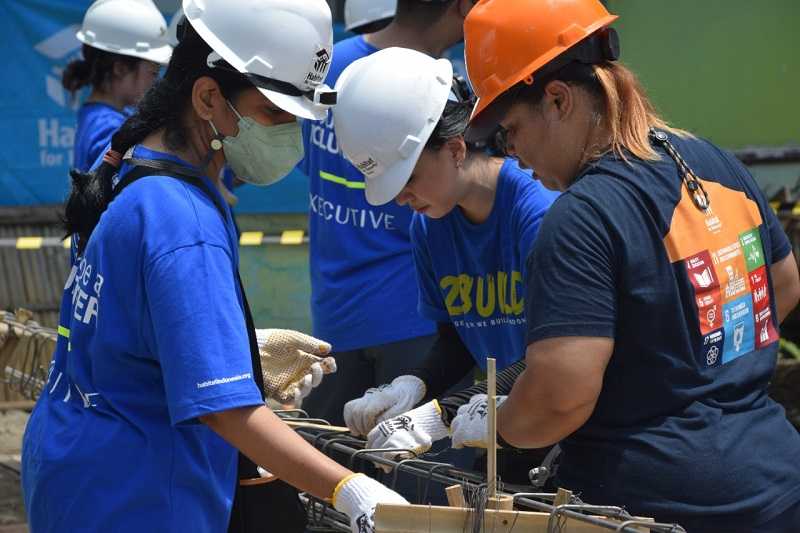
(251,238)
(247,238)
(294,236)
(29,243)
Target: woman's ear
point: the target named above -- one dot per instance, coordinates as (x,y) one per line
(207,98)
(560,99)
(457,149)
(119,70)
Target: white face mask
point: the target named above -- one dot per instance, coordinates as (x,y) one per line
(263,155)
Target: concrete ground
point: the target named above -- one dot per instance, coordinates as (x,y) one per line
(12,512)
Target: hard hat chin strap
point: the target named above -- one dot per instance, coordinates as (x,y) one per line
(320,95)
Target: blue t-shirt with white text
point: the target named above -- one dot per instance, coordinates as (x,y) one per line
(151,336)
(472,275)
(363,288)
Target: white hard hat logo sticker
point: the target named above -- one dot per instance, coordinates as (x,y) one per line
(320,67)
(368,167)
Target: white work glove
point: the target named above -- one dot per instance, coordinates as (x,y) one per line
(292,363)
(357,495)
(415,430)
(381,403)
(469,427)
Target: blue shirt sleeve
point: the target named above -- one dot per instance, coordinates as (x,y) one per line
(200,334)
(430,303)
(570,289)
(781,246)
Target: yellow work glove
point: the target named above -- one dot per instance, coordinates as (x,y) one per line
(292,363)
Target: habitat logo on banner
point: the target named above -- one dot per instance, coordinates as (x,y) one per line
(56,139)
(37,116)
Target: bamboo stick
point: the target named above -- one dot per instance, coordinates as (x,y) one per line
(491,419)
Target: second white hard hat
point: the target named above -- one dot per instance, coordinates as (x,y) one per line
(172,29)
(133,28)
(360,13)
(390,102)
(284,47)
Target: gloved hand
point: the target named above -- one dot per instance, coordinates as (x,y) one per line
(292,363)
(357,495)
(469,427)
(415,430)
(381,403)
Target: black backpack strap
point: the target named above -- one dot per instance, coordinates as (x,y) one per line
(141,171)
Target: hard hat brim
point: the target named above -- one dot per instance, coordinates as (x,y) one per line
(160,55)
(385,188)
(487,120)
(369,26)
(298,106)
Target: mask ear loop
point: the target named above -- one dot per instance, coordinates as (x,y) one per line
(238,115)
(216,140)
(216,146)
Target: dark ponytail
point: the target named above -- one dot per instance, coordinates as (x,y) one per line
(94,69)
(163,106)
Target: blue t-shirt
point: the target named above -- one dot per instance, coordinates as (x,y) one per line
(683,428)
(97,123)
(363,288)
(472,274)
(152,336)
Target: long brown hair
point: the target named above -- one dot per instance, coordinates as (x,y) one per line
(629,115)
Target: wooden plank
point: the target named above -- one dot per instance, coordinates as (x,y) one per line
(563,497)
(423,518)
(455,496)
(500,503)
(19,405)
(16,528)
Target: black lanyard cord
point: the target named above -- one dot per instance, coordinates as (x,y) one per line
(693,184)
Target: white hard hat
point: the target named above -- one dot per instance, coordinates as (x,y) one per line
(133,28)
(389,104)
(359,13)
(284,47)
(172,29)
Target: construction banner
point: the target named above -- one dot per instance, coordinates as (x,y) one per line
(37,116)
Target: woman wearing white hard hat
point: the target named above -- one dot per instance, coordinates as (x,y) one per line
(124,46)
(153,386)
(476,219)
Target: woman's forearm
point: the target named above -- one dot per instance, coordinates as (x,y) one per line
(263,437)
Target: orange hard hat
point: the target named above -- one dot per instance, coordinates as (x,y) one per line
(508,41)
